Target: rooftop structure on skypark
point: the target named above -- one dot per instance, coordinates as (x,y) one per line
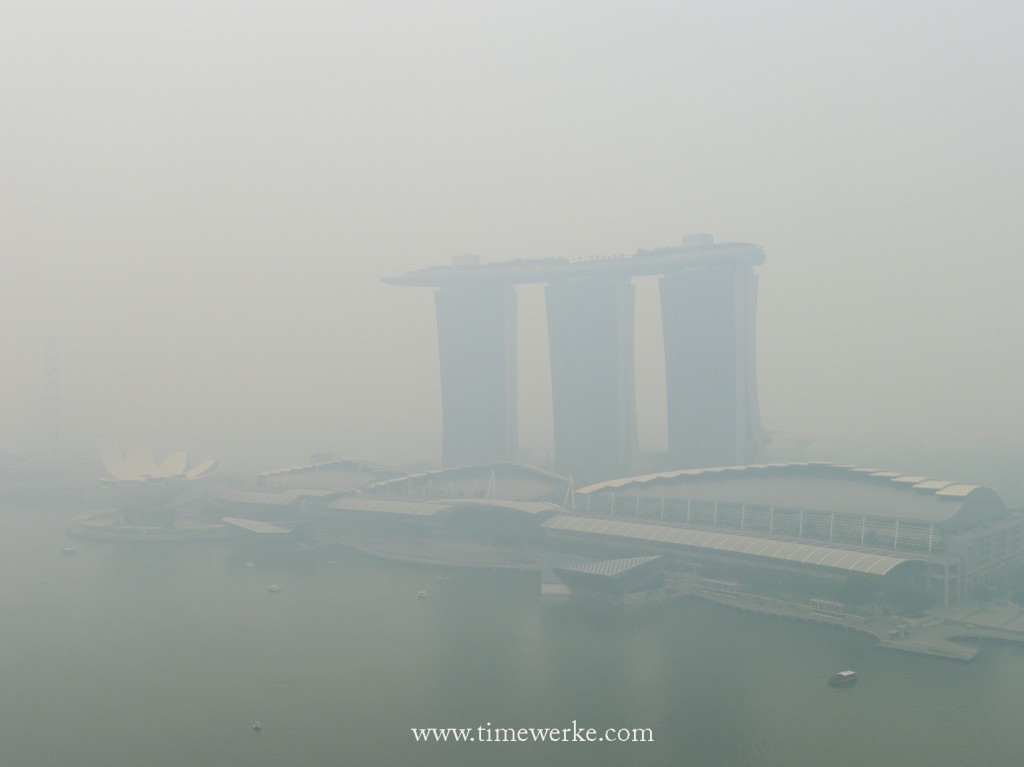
(708,306)
(695,251)
(327,475)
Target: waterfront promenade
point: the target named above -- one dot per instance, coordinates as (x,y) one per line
(944,633)
(992,616)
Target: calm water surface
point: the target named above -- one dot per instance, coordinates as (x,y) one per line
(166,655)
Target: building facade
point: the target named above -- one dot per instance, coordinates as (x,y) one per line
(709,308)
(960,535)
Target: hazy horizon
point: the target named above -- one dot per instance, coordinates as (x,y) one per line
(200,202)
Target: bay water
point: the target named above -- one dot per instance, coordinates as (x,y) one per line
(166,655)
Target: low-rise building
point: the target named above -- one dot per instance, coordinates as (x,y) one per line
(828,515)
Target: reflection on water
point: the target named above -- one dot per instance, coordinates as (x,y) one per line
(166,655)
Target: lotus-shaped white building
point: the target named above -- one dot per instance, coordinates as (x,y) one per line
(148,493)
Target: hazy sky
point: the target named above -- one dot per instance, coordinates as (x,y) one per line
(199,199)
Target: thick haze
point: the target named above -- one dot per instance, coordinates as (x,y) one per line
(199,199)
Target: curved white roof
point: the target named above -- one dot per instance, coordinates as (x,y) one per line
(201,469)
(138,464)
(472,469)
(139,482)
(957,491)
(817,485)
(919,482)
(114,462)
(173,464)
(256,526)
(933,484)
(609,567)
(788,551)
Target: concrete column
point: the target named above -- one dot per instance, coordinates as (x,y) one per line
(591,339)
(709,319)
(476,335)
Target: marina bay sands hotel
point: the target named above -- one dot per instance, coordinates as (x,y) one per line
(709,315)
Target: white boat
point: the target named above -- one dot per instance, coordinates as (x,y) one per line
(274,588)
(421,594)
(843,677)
(258,725)
(68,551)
